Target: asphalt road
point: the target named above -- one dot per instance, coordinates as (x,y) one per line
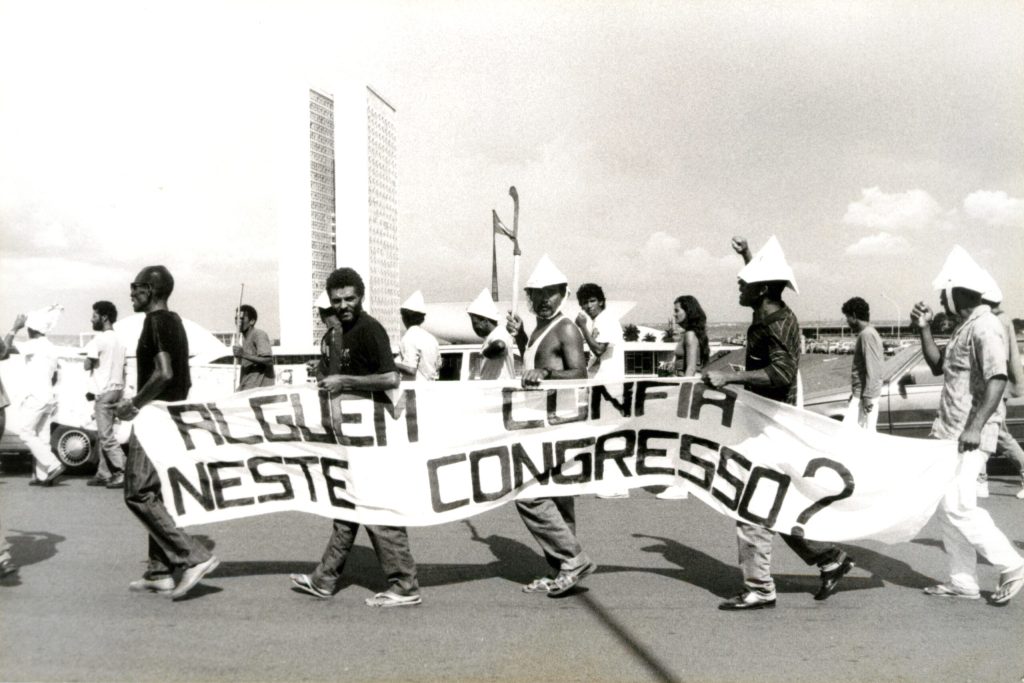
(648,614)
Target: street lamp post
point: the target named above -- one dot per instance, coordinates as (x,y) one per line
(898,325)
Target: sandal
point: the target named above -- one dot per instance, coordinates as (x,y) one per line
(303,583)
(389,599)
(1010,584)
(566,581)
(542,585)
(945,590)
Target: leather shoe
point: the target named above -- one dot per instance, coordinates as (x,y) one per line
(115,482)
(830,579)
(747,600)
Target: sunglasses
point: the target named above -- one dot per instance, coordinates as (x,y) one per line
(135,286)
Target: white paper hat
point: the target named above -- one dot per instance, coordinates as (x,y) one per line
(960,270)
(43,320)
(483,306)
(415,303)
(769,265)
(993,294)
(323,301)
(545,274)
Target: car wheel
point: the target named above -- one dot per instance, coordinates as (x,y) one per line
(73,447)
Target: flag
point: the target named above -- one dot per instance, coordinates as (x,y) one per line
(500,229)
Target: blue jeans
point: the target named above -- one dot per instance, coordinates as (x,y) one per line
(391,543)
(169,546)
(755,551)
(111,460)
(552,521)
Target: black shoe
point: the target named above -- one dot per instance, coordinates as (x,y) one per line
(747,600)
(115,482)
(97,481)
(830,579)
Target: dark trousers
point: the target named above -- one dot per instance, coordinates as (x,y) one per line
(552,521)
(391,543)
(169,546)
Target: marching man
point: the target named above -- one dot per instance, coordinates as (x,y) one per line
(973,369)
(420,355)
(553,351)
(496,348)
(773,355)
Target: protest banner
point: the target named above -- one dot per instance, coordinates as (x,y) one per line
(430,453)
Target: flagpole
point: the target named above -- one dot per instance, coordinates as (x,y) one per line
(236,335)
(516,253)
(494,257)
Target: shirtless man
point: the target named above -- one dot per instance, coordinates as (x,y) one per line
(554,350)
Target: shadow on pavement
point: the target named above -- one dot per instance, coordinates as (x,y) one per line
(30,547)
(888,569)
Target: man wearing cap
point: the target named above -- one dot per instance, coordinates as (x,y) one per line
(360,360)
(419,355)
(973,369)
(163,375)
(496,349)
(40,402)
(104,359)
(255,352)
(866,373)
(553,351)
(773,355)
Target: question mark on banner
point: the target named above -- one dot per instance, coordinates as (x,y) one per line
(814,508)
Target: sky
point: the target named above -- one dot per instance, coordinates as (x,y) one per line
(869,137)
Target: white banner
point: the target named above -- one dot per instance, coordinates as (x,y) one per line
(430,453)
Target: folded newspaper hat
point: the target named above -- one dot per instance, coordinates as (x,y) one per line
(769,265)
(483,306)
(960,270)
(993,294)
(415,303)
(323,302)
(43,320)
(545,274)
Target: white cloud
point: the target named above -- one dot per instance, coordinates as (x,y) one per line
(996,209)
(881,244)
(910,210)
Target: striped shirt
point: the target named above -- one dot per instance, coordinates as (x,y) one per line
(773,345)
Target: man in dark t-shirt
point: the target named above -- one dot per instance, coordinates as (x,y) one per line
(359,359)
(163,375)
(773,356)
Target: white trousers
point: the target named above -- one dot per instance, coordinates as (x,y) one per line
(855,416)
(35,432)
(968,530)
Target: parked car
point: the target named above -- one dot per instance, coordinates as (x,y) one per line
(909,400)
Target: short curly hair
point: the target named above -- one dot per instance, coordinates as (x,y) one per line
(858,308)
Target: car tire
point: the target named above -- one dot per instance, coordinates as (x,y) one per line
(73,446)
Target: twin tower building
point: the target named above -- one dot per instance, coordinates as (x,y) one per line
(336,203)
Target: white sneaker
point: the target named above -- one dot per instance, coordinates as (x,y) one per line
(673,493)
(1020,494)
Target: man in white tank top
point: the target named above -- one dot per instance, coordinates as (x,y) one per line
(553,351)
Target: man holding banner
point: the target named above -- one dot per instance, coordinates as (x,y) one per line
(163,375)
(973,368)
(363,363)
(773,354)
(553,351)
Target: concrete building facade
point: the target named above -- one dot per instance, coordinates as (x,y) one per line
(337,204)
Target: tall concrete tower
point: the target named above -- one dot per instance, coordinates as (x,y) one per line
(337,204)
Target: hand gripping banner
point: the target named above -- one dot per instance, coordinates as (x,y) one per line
(430,453)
